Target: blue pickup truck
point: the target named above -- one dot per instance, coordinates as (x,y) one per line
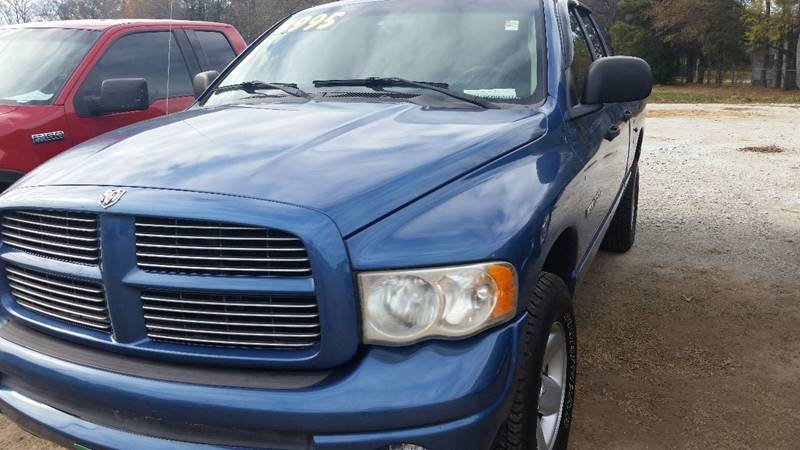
(365,235)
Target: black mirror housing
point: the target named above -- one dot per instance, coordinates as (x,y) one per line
(202,81)
(618,79)
(120,95)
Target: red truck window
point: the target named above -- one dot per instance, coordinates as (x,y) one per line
(217,49)
(141,55)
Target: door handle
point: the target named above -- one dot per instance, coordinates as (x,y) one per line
(627,115)
(613,133)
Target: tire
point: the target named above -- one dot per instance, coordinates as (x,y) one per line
(524,428)
(621,235)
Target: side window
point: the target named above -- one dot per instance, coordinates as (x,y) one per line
(595,38)
(218,51)
(141,55)
(582,55)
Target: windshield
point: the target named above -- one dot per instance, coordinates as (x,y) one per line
(37,62)
(483,48)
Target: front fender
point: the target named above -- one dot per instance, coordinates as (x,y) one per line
(500,212)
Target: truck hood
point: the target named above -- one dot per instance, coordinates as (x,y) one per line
(5,109)
(355,162)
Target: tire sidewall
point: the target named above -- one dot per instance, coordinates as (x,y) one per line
(554,305)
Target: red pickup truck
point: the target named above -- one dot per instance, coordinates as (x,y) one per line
(62,83)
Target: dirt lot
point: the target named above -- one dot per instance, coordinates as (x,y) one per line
(691,340)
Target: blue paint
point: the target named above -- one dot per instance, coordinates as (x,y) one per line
(365,186)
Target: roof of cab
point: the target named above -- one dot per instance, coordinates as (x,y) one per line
(104,24)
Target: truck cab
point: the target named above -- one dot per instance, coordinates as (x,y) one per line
(52,76)
(366,234)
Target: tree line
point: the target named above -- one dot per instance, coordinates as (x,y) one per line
(251,17)
(706,41)
(692,41)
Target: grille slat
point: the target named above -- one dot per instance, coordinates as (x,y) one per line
(227,249)
(74,217)
(251,321)
(228,342)
(70,300)
(48,296)
(213,248)
(15,236)
(236,324)
(47,225)
(220,258)
(66,236)
(22,274)
(230,313)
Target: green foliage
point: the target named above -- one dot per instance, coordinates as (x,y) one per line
(715,27)
(633,35)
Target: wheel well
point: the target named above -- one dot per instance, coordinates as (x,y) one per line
(563,256)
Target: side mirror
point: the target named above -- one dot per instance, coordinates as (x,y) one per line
(618,79)
(120,95)
(202,81)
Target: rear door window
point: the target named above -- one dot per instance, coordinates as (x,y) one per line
(148,55)
(595,38)
(583,56)
(215,50)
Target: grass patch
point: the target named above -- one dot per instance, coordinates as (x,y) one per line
(764,149)
(723,94)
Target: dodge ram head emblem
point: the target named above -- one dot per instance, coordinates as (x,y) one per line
(111,197)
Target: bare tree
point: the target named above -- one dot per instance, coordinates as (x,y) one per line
(18,11)
(83,9)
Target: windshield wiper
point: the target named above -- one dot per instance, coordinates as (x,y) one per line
(383,82)
(252,86)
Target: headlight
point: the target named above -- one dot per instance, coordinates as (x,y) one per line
(406,306)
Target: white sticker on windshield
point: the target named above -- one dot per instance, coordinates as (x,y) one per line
(512,25)
(493,93)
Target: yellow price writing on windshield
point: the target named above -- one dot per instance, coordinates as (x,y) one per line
(309,23)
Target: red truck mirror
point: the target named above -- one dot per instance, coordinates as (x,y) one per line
(120,95)
(202,81)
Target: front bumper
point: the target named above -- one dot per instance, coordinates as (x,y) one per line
(441,395)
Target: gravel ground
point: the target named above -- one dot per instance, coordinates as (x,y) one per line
(689,341)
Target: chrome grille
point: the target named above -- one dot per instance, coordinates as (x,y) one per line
(67,299)
(253,321)
(62,235)
(199,247)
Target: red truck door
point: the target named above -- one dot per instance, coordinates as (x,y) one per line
(153,55)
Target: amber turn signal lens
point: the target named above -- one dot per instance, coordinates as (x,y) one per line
(503,276)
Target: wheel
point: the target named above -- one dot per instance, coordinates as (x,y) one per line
(622,233)
(544,390)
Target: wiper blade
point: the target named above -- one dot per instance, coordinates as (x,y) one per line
(252,86)
(382,82)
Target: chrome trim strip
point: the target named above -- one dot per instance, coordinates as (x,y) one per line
(13,281)
(223,249)
(102,319)
(198,227)
(60,227)
(50,216)
(232,343)
(221,258)
(51,243)
(222,269)
(221,238)
(44,233)
(225,313)
(232,324)
(44,280)
(233,304)
(52,253)
(233,333)
(16,289)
